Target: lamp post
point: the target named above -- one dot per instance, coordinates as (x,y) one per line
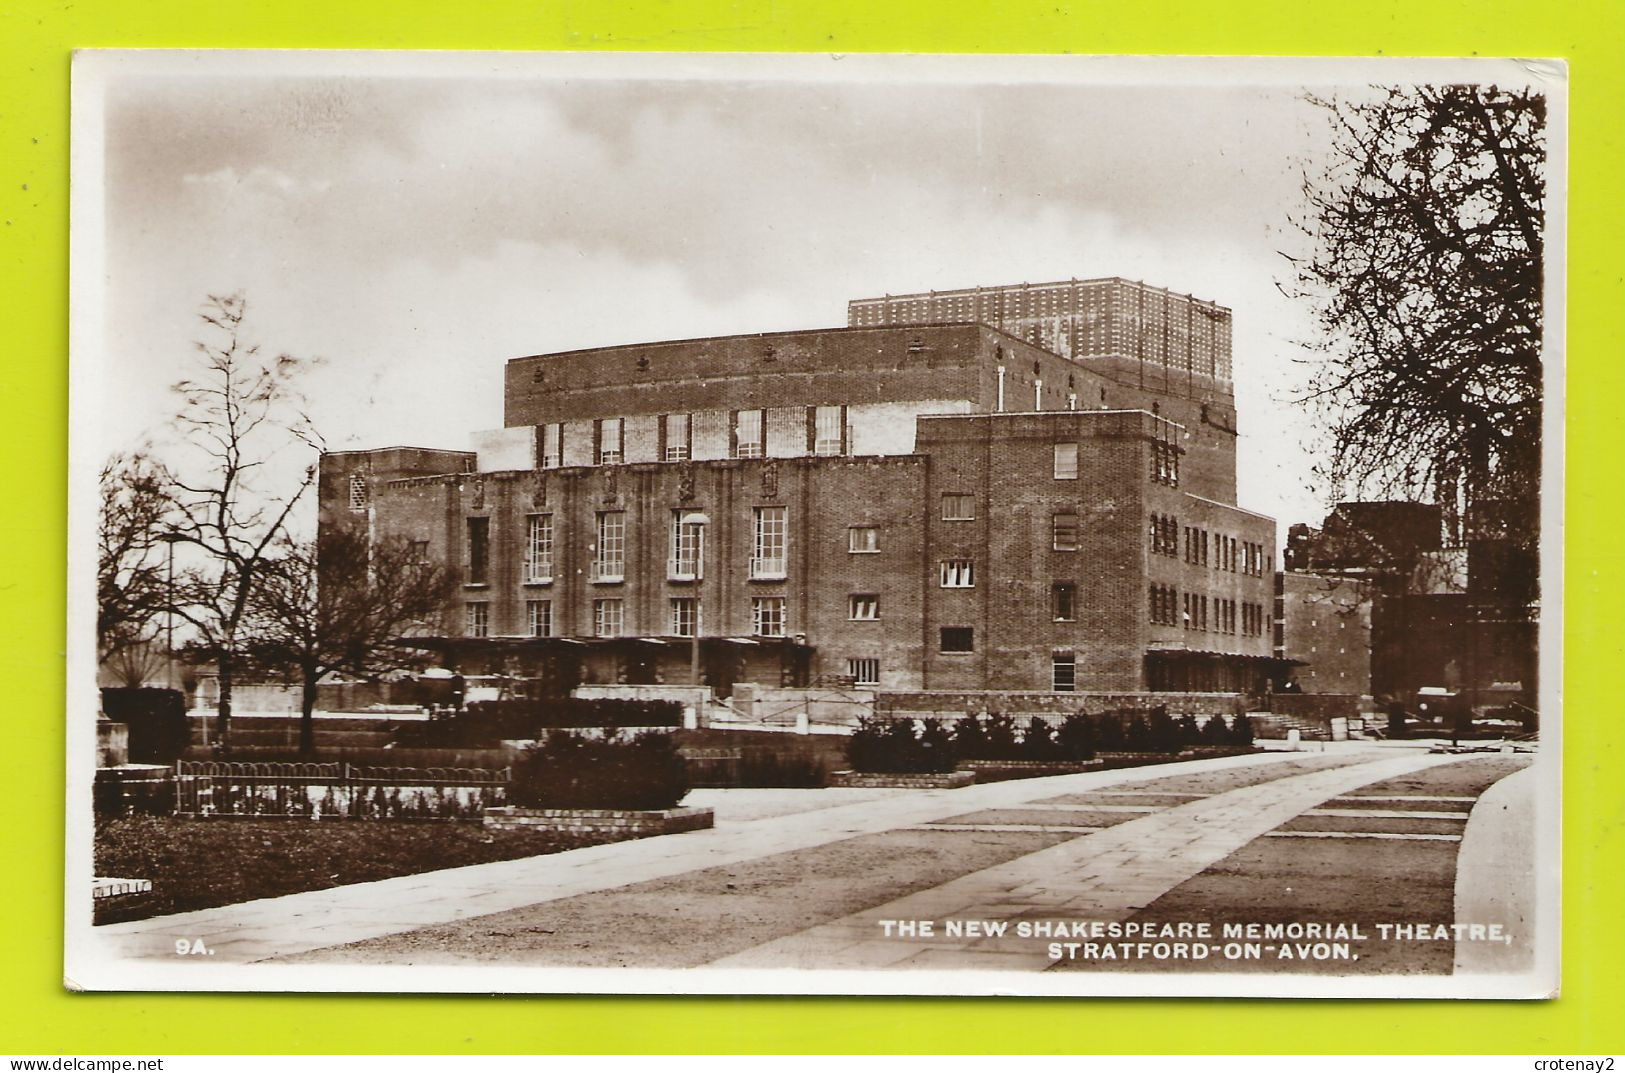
(169,540)
(698,520)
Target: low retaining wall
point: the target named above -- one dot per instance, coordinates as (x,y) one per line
(948,780)
(580,821)
(950,704)
(1316,705)
(816,706)
(1029,768)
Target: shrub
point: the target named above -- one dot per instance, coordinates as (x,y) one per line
(1241,731)
(1137,738)
(1214,732)
(159,732)
(901,747)
(571,770)
(1075,740)
(1000,732)
(1109,735)
(1162,733)
(1038,743)
(970,738)
(1189,734)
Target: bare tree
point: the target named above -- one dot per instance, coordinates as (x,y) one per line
(132,593)
(1426,230)
(243,417)
(342,605)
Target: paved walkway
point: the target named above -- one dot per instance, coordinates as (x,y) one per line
(1495,876)
(296,923)
(1106,875)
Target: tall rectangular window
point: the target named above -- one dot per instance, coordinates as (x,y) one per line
(828,433)
(863,671)
(687,561)
(749,430)
(863,607)
(772,536)
(1064,531)
(538,548)
(358,492)
(477,620)
(609,557)
(958,507)
(609,441)
(958,574)
(539,617)
(1066,461)
(479,551)
(678,444)
(863,539)
(956,639)
(607,618)
(550,445)
(1063,599)
(683,616)
(1063,670)
(767,616)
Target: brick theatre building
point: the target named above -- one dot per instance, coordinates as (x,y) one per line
(941,505)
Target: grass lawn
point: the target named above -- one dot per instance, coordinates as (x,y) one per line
(196,864)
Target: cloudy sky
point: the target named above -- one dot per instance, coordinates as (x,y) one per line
(416,225)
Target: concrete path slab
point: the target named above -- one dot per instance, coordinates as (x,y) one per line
(1104,876)
(1494,877)
(296,923)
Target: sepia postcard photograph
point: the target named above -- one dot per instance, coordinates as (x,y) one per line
(815,524)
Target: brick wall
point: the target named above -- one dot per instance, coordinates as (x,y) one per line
(1326,623)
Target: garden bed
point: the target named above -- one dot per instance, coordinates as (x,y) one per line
(945,780)
(199,864)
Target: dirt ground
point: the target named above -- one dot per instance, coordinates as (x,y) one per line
(692,919)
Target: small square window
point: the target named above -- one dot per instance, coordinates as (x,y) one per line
(1066,461)
(607,618)
(863,539)
(539,617)
(1065,531)
(958,574)
(1064,601)
(957,507)
(767,616)
(863,607)
(864,672)
(1063,671)
(957,639)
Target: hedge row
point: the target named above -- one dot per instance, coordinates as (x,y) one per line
(571,770)
(916,746)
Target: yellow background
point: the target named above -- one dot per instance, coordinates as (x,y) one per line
(37,1016)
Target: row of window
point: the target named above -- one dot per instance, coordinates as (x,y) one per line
(825,431)
(1170,607)
(767,613)
(768,561)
